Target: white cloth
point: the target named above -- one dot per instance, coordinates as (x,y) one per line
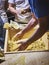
(21,5)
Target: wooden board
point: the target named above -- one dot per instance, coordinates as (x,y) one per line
(32,58)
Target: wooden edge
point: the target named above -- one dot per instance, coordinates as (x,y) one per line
(6,38)
(31,51)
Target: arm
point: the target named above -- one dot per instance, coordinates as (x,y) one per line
(32,23)
(28,27)
(12,9)
(38,33)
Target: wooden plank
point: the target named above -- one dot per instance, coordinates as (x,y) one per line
(6,39)
(33,58)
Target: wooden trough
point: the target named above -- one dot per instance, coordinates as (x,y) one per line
(11,32)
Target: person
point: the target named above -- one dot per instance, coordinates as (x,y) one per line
(21,10)
(41,11)
(3,19)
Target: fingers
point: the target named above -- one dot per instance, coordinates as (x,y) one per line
(13,38)
(22,47)
(22,41)
(16,36)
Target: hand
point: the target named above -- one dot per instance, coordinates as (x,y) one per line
(18,35)
(23,45)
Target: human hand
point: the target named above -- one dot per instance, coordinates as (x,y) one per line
(23,44)
(18,35)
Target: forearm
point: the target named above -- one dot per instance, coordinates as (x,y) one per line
(32,23)
(38,34)
(12,10)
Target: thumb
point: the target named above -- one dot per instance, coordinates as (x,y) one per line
(21,41)
(15,36)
